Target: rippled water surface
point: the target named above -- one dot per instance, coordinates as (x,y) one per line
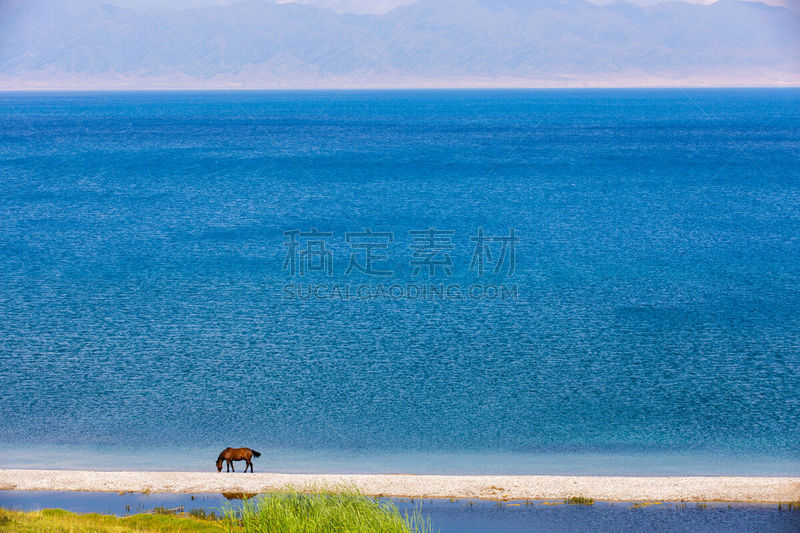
(144,305)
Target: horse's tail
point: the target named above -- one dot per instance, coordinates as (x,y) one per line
(255,453)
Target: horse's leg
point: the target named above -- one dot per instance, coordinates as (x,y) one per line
(228,465)
(233,469)
(250,465)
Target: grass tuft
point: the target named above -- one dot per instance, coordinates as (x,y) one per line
(791,506)
(641,505)
(579,500)
(350,512)
(202,514)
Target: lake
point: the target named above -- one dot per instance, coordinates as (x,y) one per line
(555,281)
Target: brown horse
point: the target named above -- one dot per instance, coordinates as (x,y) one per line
(236,454)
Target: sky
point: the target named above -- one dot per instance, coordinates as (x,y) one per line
(345,6)
(375,6)
(84,44)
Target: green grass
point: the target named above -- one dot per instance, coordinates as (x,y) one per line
(350,512)
(283,512)
(202,514)
(579,500)
(58,521)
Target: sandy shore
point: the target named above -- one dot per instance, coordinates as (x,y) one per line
(726,489)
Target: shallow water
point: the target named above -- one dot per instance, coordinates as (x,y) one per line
(327,461)
(465,516)
(143,301)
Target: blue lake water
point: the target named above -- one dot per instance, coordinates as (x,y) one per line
(647,321)
(464,516)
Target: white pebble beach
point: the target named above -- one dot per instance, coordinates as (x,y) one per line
(603,488)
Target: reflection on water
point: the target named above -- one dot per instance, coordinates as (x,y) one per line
(238,496)
(469,516)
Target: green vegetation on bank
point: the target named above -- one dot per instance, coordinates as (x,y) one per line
(579,500)
(58,521)
(290,512)
(283,512)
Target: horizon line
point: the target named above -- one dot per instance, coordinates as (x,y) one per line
(388,88)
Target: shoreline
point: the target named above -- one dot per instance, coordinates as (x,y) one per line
(733,489)
(655,85)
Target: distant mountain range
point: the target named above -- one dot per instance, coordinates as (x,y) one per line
(430,43)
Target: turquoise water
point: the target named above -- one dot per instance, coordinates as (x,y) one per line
(650,322)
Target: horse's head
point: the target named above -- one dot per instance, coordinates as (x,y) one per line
(219,464)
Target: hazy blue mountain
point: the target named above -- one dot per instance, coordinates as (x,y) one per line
(58,43)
